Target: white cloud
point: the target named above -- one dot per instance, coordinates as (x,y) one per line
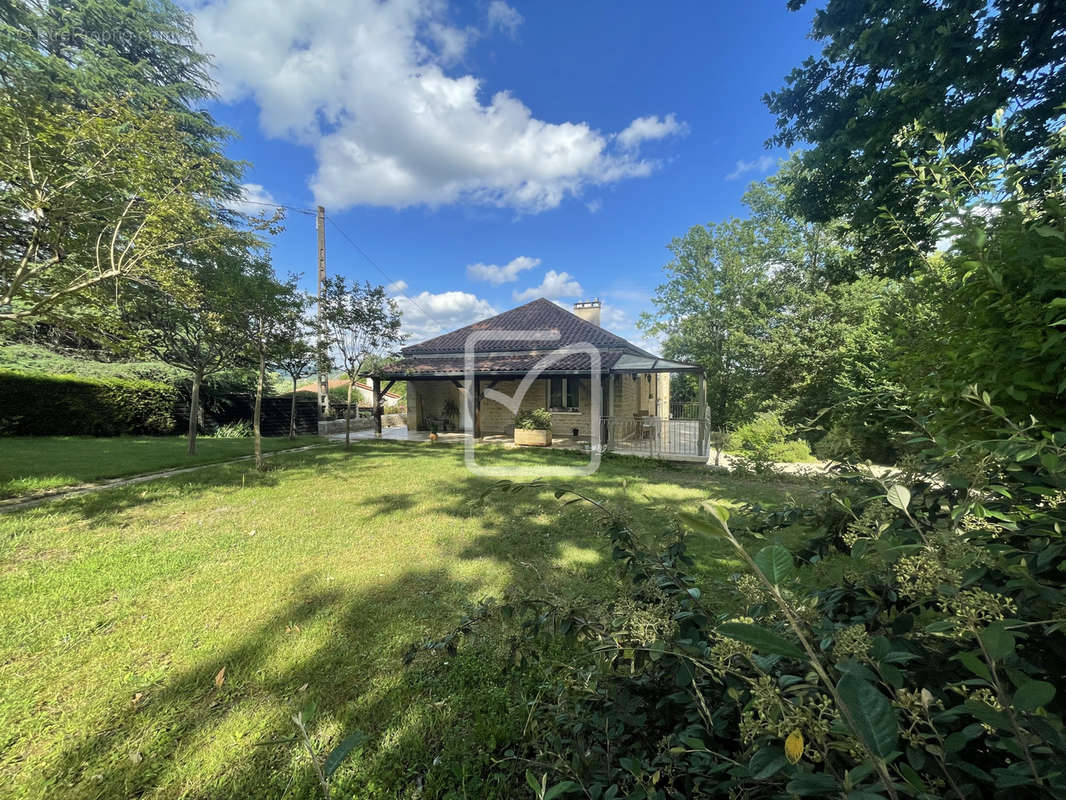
(554,286)
(760,165)
(396,287)
(508,273)
(364,83)
(254,199)
(503,17)
(645,129)
(426,315)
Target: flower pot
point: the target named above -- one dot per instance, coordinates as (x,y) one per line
(526,438)
(433,437)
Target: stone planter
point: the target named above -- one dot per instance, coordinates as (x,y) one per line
(526,438)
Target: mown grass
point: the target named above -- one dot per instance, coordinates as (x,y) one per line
(32,464)
(306,584)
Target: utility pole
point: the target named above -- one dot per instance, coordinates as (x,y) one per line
(323,377)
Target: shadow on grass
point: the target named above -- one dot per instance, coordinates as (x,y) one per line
(428,726)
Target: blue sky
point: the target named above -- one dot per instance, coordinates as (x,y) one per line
(484,153)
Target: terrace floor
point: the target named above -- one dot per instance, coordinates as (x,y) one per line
(632,445)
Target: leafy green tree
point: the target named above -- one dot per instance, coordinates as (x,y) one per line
(93,201)
(990,310)
(886,64)
(357,322)
(296,354)
(266,307)
(201,330)
(762,303)
(80,53)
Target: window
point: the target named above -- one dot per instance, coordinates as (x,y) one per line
(563,394)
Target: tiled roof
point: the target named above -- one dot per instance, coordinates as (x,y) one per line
(538,315)
(516,363)
(444,356)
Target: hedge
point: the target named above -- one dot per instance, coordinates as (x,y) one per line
(70,405)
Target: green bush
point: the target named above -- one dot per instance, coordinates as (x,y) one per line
(240,429)
(765,439)
(913,649)
(533,419)
(791,452)
(67,405)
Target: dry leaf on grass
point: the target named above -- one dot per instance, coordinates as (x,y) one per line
(220,678)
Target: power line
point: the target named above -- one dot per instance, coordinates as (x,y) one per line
(351,241)
(278,205)
(384,274)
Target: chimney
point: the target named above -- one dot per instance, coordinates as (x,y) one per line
(589,310)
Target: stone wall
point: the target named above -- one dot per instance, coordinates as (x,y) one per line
(334,426)
(427,399)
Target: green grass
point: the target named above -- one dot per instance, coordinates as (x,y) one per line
(30,464)
(306,584)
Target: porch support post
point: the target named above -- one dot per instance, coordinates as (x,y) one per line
(610,410)
(704,432)
(377,407)
(477,408)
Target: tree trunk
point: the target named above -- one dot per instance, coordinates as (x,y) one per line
(256,430)
(292,411)
(194,410)
(348,415)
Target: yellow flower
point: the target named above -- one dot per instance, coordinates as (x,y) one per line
(794,747)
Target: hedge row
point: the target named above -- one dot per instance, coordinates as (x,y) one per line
(69,405)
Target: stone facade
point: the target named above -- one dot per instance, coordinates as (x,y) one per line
(634,394)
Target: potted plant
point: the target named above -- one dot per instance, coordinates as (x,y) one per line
(533,428)
(433,431)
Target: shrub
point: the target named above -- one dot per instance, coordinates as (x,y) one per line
(241,429)
(54,405)
(913,650)
(792,451)
(764,440)
(534,419)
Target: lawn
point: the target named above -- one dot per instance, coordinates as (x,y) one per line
(31,464)
(159,637)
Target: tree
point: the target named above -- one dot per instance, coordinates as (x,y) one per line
(109,162)
(296,354)
(267,307)
(735,292)
(80,53)
(356,322)
(887,64)
(200,331)
(93,201)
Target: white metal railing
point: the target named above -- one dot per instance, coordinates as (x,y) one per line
(656,437)
(684,410)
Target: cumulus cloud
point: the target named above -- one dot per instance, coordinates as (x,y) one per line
(426,315)
(254,199)
(554,286)
(508,273)
(503,17)
(760,166)
(366,85)
(396,287)
(644,129)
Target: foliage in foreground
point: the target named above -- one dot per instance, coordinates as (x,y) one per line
(910,650)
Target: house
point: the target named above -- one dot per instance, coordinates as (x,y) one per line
(635,414)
